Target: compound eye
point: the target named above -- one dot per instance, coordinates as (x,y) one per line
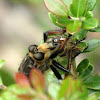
(39,56)
(32,48)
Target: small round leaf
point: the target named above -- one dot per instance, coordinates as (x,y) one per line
(90,23)
(78,7)
(36,79)
(97,29)
(92,45)
(81,34)
(57,7)
(93,82)
(83,65)
(91,4)
(73,27)
(54,18)
(87,72)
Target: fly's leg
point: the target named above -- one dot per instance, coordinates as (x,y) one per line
(57,65)
(56,72)
(62,46)
(64,43)
(48,33)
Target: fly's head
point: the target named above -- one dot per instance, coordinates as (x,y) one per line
(35,53)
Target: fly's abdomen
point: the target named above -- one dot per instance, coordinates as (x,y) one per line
(26,65)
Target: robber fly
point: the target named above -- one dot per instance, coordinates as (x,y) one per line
(56,43)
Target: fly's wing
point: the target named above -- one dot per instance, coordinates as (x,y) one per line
(26,65)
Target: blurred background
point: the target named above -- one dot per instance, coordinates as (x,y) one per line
(22,23)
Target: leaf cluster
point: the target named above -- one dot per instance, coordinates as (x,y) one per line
(34,89)
(72,14)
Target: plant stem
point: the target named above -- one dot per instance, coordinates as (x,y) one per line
(78,19)
(74,68)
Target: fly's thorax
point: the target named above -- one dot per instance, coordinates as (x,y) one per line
(45,49)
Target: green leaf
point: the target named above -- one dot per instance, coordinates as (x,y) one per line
(73,27)
(81,46)
(92,97)
(12,92)
(79,90)
(6,76)
(91,4)
(72,89)
(89,14)
(92,45)
(57,7)
(64,21)
(90,23)
(53,90)
(54,18)
(22,80)
(94,92)
(98,95)
(97,29)
(91,91)
(78,7)
(64,87)
(62,60)
(37,79)
(92,82)
(87,72)
(80,34)
(83,65)
(67,2)
(1,63)
(50,78)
